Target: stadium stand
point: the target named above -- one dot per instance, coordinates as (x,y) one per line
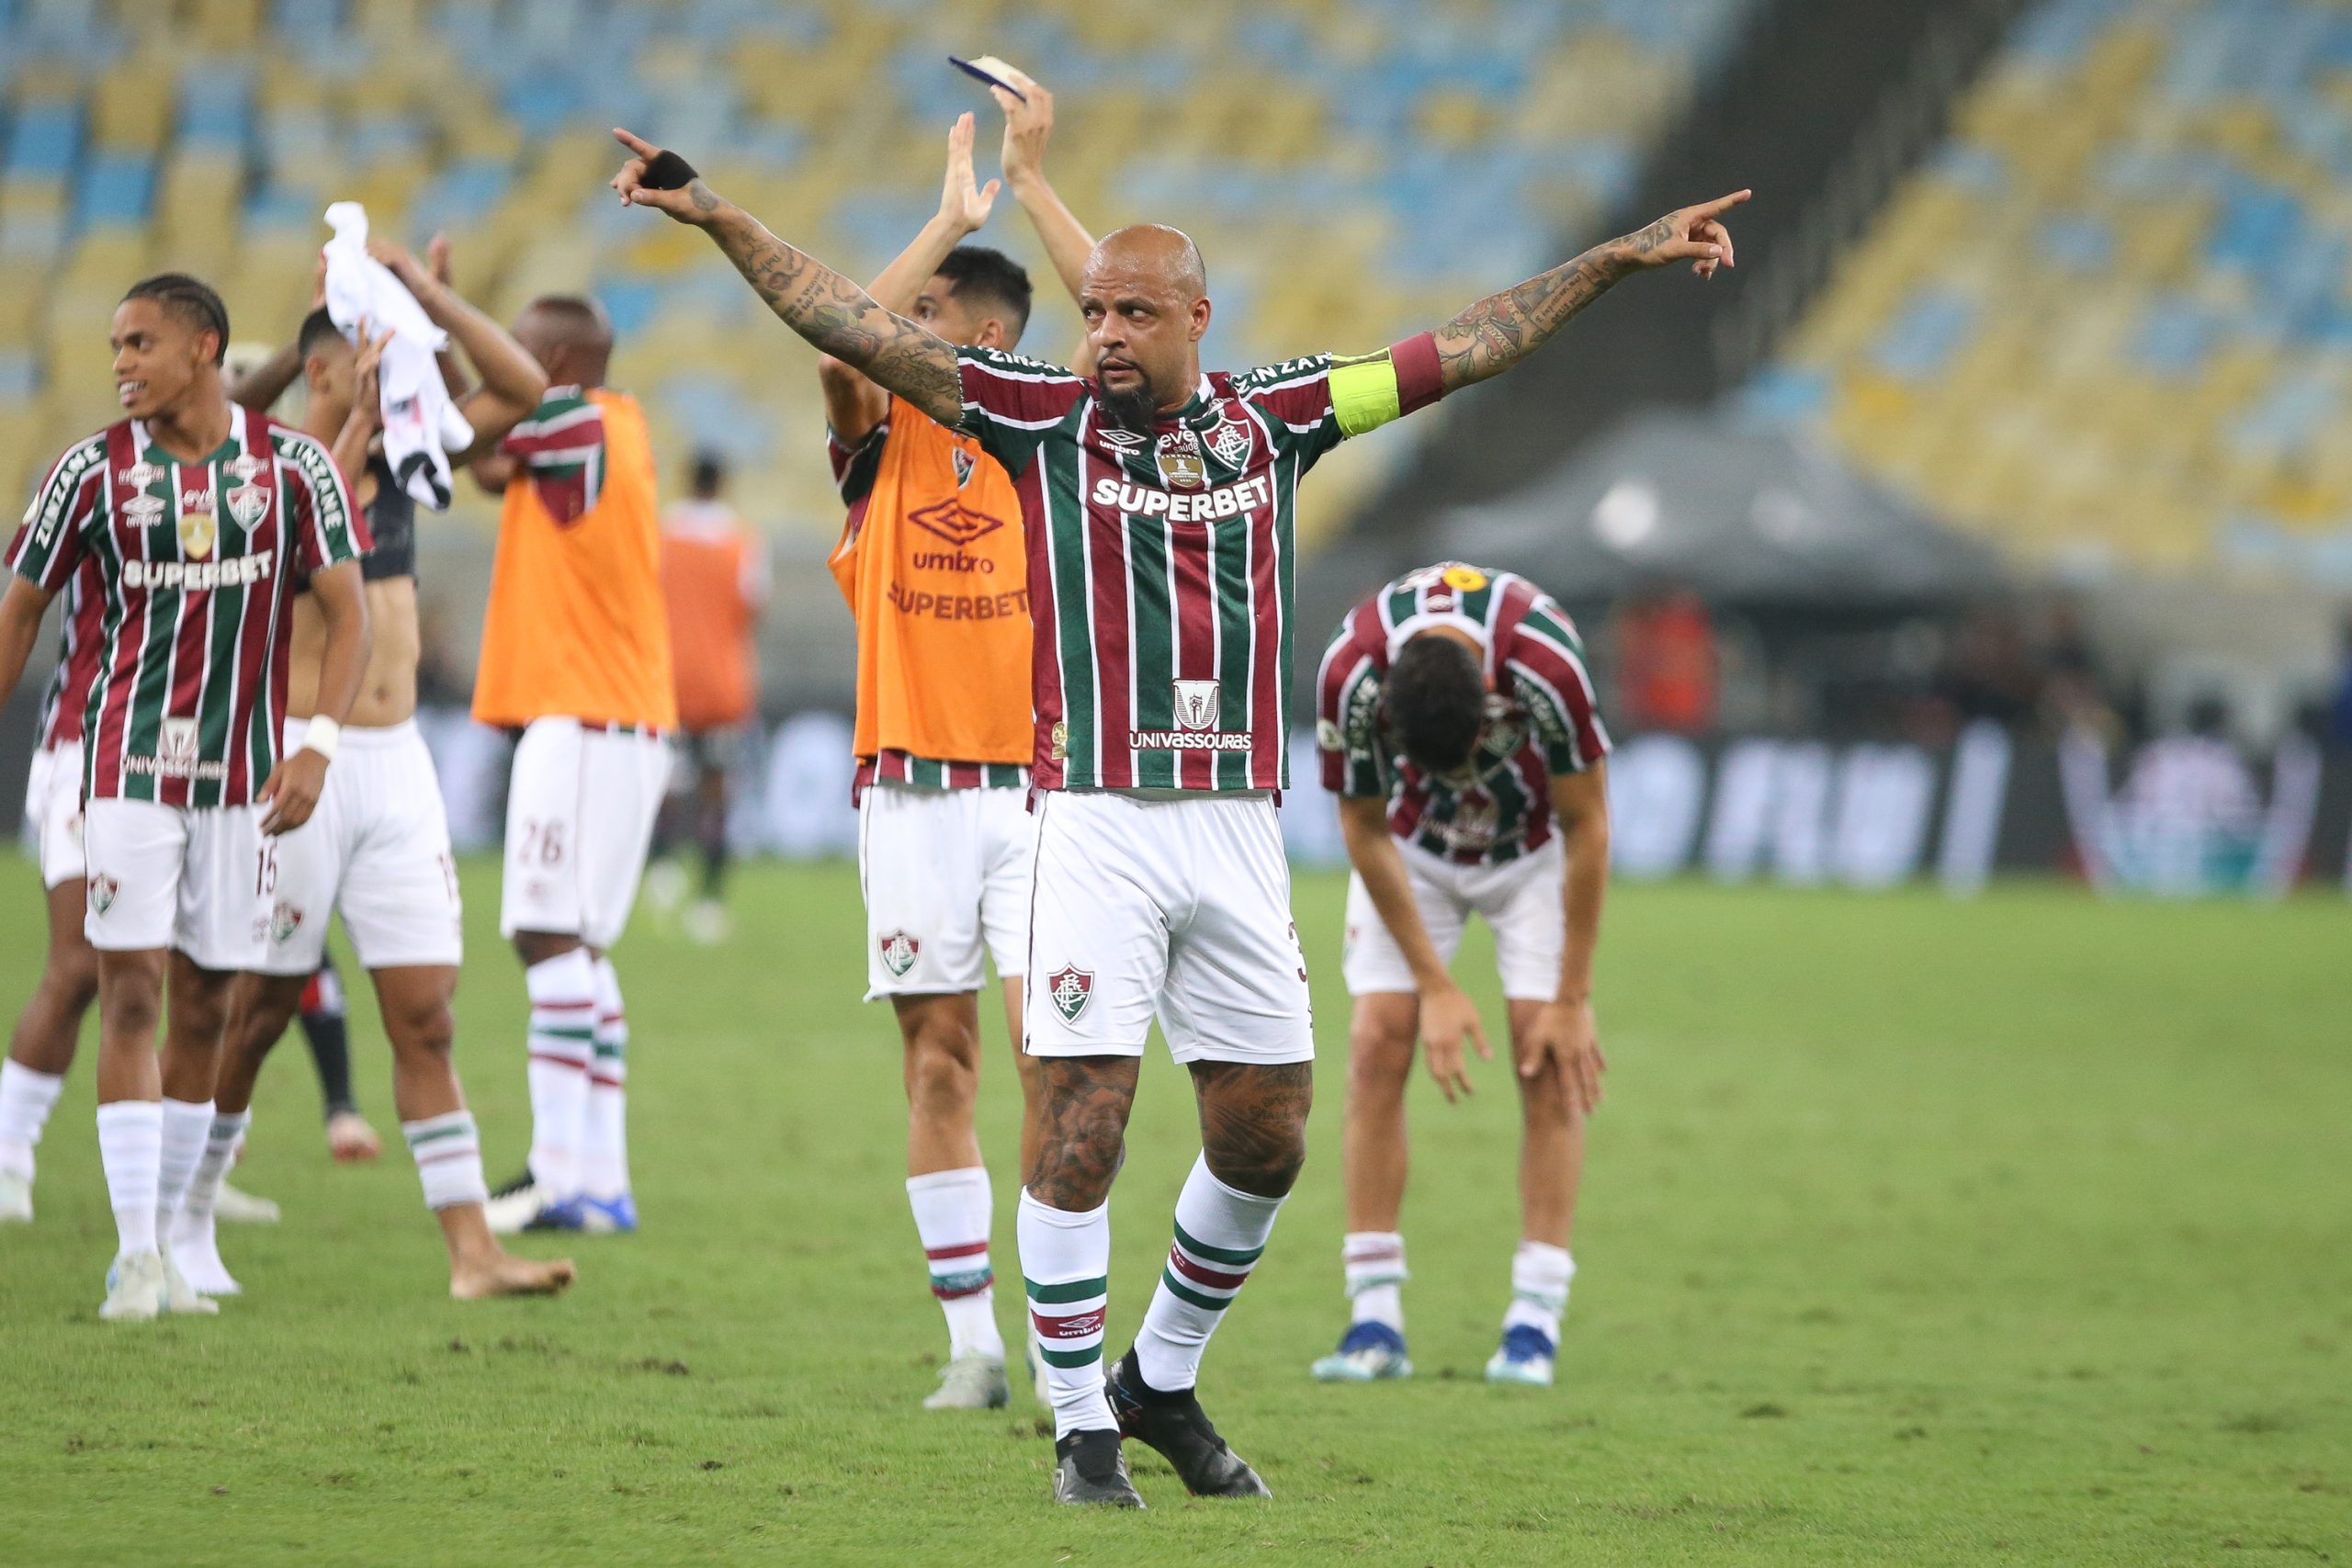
(1417,156)
(2109,324)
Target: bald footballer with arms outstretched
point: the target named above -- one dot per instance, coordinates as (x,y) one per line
(1157,502)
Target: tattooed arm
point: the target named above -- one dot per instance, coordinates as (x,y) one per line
(1498,333)
(833,313)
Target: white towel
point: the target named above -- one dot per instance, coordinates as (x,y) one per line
(421,427)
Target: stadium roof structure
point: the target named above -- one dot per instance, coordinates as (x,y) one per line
(1741,512)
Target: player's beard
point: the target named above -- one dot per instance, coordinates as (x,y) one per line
(1129,409)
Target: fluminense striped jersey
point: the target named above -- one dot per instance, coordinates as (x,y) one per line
(1161,562)
(1541,717)
(195,564)
(81,609)
(890,765)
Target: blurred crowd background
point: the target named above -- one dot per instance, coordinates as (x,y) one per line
(2027,414)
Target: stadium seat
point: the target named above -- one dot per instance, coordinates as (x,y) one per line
(486,118)
(2124,286)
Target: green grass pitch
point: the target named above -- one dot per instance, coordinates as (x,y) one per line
(2015,1231)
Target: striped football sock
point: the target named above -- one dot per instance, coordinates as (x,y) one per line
(603,1152)
(563,1040)
(188,1127)
(1374,1264)
(130,1148)
(1220,1233)
(1066,1267)
(952,1212)
(447,1151)
(221,1141)
(26,1100)
(1539,1273)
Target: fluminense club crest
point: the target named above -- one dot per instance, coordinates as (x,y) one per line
(965,463)
(1229,442)
(898,951)
(1069,988)
(246,505)
(284,921)
(103,891)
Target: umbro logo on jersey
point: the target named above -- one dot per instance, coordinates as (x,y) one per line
(1069,988)
(1123,440)
(954,522)
(104,889)
(898,951)
(143,509)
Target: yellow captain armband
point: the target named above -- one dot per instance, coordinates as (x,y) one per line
(1365,393)
(1370,390)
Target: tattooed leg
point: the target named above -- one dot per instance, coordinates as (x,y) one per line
(1086,1103)
(1253,1122)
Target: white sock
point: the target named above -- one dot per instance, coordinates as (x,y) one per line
(130,1148)
(1065,1268)
(26,1100)
(1374,1264)
(1539,1273)
(447,1151)
(221,1141)
(562,1039)
(604,1149)
(1220,1231)
(952,1212)
(188,1125)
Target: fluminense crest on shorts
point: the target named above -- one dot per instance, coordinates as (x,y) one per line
(1069,988)
(103,890)
(284,921)
(899,951)
(1197,705)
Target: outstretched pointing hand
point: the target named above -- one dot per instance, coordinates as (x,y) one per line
(690,203)
(1689,233)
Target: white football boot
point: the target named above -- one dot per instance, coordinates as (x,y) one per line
(134,1287)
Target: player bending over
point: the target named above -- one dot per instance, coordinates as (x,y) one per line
(932,565)
(200,517)
(1159,506)
(575,656)
(377,850)
(1458,728)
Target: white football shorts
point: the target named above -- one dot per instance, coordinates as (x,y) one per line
(946,873)
(377,849)
(54,812)
(188,878)
(1169,906)
(1520,900)
(580,809)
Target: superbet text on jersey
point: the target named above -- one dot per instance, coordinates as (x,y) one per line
(196,565)
(1161,561)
